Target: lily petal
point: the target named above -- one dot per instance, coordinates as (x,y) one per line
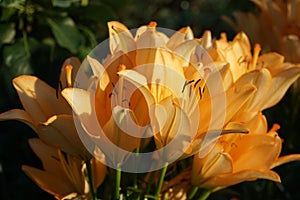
(120,38)
(180,36)
(49,182)
(262,80)
(216,162)
(266,149)
(270,60)
(285,159)
(280,83)
(226,180)
(99,71)
(82,103)
(49,157)
(185,50)
(60,131)
(65,79)
(235,98)
(151,39)
(171,127)
(20,115)
(39,99)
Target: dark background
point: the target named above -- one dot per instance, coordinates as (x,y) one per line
(37,36)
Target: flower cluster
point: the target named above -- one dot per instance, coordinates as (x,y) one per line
(153,105)
(277,24)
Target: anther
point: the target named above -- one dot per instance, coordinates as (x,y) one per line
(152,24)
(186,83)
(121,67)
(224,37)
(197,82)
(275,127)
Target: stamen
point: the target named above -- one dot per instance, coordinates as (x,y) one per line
(234,145)
(200,92)
(59,88)
(186,83)
(224,37)
(256,52)
(69,69)
(275,128)
(121,67)
(197,82)
(120,92)
(152,24)
(207,70)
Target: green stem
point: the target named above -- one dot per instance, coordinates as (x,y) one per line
(204,195)
(161,180)
(118,183)
(135,182)
(193,192)
(90,179)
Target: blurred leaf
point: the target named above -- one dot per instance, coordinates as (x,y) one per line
(62,3)
(7,33)
(12,2)
(89,35)
(84,2)
(102,13)
(68,3)
(7,13)
(66,33)
(16,62)
(116,3)
(50,42)
(16,58)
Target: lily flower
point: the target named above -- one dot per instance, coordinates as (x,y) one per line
(277,22)
(48,113)
(146,87)
(267,72)
(62,174)
(238,158)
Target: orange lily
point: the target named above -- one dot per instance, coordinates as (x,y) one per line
(238,158)
(47,113)
(62,175)
(156,70)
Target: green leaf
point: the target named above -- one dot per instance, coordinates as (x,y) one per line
(116,3)
(11,3)
(62,3)
(89,34)
(84,2)
(17,59)
(102,13)
(7,33)
(7,13)
(66,33)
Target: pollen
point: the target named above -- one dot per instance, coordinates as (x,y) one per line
(153,24)
(207,70)
(275,127)
(224,37)
(121,67)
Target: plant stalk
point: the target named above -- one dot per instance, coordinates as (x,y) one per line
(161,180)
(118,183)
(90,179)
